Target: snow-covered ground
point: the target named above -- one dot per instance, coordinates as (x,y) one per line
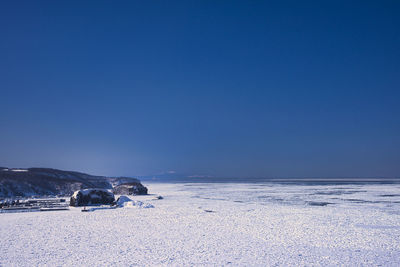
(216,224)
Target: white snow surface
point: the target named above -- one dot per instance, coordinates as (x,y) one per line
(216,225)
(126,202)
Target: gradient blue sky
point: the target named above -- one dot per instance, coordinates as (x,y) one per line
(222,88)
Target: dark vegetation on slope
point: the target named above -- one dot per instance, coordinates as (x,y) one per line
(53,182)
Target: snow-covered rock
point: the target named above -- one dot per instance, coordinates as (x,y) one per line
(133,188)
(124,201)
(87,197)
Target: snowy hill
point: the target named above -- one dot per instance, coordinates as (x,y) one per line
(52,182)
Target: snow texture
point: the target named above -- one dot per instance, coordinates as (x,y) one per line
(216,225)
(124,201)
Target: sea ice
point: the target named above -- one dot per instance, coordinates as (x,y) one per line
(252,225)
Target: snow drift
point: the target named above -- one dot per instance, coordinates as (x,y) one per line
(124,201)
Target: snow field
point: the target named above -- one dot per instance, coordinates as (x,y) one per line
(190,227)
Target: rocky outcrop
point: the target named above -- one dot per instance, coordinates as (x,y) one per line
(41,182)
(130,189)
(89,197)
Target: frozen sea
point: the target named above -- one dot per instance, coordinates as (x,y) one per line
(217,224)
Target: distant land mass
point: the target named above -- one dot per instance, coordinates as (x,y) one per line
(37,182)
(185,178)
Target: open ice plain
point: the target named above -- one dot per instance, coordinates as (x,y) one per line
(217,225)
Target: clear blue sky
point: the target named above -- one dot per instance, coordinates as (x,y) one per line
(223,88)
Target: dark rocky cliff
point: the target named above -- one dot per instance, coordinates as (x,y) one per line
(51,182)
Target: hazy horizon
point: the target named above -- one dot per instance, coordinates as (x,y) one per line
(173,176)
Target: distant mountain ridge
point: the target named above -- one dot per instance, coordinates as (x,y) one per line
(19,182)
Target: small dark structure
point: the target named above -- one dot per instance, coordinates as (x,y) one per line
(130,189)
(89,197)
